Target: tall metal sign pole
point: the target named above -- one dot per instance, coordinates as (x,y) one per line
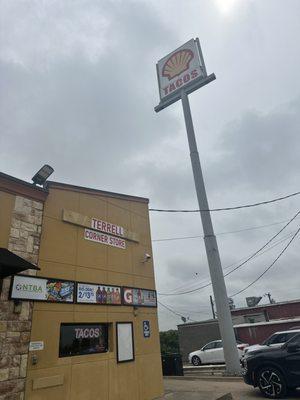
(180,73)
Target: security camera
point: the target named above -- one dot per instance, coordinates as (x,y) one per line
(147,257)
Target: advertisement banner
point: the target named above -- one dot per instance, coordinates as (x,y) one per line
(42,289)
(103,238)
(139,297)
(180,68)
(98,294)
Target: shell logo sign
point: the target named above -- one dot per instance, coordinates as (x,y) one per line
(177,63)
(180,68)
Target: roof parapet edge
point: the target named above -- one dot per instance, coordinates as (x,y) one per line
(83,189)
(17,186)
(266,305)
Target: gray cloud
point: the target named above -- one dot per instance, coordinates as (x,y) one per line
(54,101)
(260,150)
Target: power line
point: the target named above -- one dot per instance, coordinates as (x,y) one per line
(265,245)
(220,233)
(240,265)
(276,243)
(269,267)
(209,283)
(228,208)
(168,308)
(202,310)
(187,292)
(174,312)
(197,312)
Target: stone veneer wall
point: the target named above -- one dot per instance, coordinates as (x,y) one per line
(15,319)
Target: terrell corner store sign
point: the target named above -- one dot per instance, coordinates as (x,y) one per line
(100,231)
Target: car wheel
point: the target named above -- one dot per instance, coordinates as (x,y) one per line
(196,361)
(271,383)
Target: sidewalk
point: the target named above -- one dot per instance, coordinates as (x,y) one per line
(205,389)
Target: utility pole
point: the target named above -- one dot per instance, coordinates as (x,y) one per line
(271,301)
(212,307)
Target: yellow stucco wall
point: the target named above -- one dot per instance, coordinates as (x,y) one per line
(64,253)
(7,202)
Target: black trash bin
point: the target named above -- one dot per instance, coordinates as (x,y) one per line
(172,365)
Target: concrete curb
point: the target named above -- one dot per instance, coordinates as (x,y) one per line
(207,378)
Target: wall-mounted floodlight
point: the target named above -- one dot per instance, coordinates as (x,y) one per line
(42,175)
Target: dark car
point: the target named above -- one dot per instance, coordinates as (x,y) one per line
(274,370)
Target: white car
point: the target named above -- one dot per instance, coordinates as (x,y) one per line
(213,353)
(275,340)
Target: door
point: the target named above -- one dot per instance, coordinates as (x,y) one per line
(207,352)
(293,362)
(219,353)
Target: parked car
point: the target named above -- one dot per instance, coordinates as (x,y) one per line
(274,369)
(213,353)
(275,340)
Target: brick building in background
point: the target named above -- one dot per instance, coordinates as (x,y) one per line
(255,324)
(251,325)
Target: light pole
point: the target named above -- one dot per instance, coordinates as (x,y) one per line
(180,73)
(212,252)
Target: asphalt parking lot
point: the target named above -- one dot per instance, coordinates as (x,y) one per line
(211,389)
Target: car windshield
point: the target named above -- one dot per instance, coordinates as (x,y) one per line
(274,339)
(209,346)
(295,338)
(279,338)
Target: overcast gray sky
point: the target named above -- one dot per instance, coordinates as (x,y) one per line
(78,88)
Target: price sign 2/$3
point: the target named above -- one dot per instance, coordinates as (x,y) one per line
(98,294)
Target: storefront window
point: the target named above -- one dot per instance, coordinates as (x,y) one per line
(82,339)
